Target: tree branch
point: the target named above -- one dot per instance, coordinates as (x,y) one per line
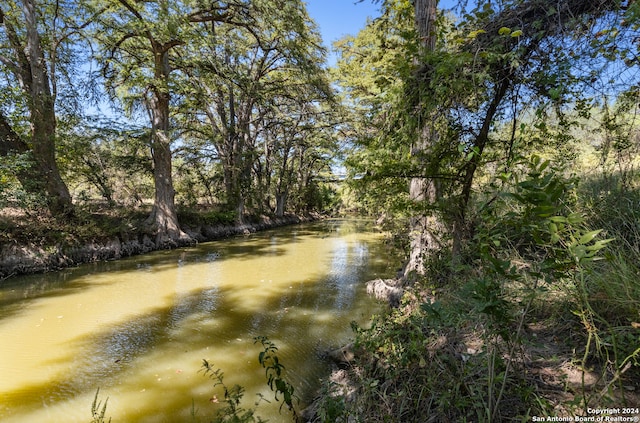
(21,69)
(528,16)
(13,67)
(131,9)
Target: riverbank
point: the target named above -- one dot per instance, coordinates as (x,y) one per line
(35,246)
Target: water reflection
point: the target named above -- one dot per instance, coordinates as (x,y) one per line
(139,328)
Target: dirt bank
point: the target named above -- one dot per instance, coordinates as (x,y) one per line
(34,257)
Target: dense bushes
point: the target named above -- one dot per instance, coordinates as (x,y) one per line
(539,318)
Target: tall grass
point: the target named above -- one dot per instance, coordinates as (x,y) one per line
(609,294)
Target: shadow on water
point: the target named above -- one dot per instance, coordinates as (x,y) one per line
(210,323)
(104,358)
(17,292)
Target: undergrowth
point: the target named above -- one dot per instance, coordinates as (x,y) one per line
(540,320)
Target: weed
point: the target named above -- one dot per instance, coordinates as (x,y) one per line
(273,368)
(233,412)
(98,409)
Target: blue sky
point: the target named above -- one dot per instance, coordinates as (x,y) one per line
(337,18)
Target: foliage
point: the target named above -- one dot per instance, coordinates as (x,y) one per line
(528,244)
(212,217)
(35,61)
(106,160)
(241,88)
(505,80)
(421,366)
(259,102)
(273,370)
(12,192)
(249,121)
(98,409)
(463,356)
(233,411)
(607,297)
(535,220)
(370,70)
(492,67)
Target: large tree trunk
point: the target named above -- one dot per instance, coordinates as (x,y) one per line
(424,228)
(281,202)
(43,142)
(30,70)
(163,218)
(43,118)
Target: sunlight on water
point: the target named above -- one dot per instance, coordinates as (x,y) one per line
(139,328)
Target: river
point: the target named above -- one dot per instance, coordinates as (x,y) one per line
(138,329)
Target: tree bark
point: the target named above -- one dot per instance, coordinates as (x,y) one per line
(30,69)
(425,21)
(424,228)
(43,118)
(164,217)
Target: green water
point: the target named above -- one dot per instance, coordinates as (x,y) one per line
(139,328)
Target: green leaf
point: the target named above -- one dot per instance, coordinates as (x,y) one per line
(543,165)
(575,218)
(516,33)
(588,237)
(580,252)
(558,219)
(474,34)
(598,245)
(287,397)
(504,31)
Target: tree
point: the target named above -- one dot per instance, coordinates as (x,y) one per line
(107,158)
(371,69)
(300,144)
(410,30)
(423,228)
(498,61)
(525,52)
(240,76)
(138,40)
(30,57)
